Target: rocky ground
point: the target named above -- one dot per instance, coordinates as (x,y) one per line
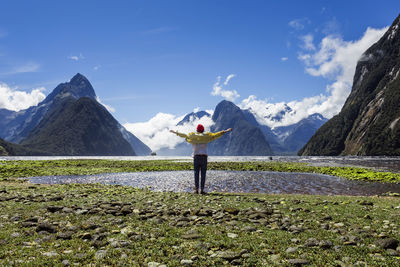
(73,225)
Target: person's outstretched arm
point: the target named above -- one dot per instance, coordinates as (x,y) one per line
(219,134)
(179,134)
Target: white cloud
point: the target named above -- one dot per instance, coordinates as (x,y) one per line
(230,76)
(335,59)
(76,58)
(12,99)
(218,89)
(307,42)
(108,107)
(284,59)
(97,67)
(155,132)
(299,24)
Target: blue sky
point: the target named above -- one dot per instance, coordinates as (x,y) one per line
(147,57)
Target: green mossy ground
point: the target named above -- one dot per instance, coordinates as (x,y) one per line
(13,169)
(104,225)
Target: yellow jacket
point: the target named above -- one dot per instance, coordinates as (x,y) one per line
(200,138)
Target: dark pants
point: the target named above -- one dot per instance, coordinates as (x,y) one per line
(200,164)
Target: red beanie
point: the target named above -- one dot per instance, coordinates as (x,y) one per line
(200,128)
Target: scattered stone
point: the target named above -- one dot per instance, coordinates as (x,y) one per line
(16,218)
(191,234)
(54,208)
(65,235)
(226,255)
(325,244)
(311,242)
(81,212)
(249,228)
(230,210)
(125,210)
(298,262)
(65,262)
(50,254)
(291,250)
(338,225)
(155,264)
(187,262)
(85,236)
(14,235)
(56,198)
(100,254)
(47,227)
(232,235)
(387,243)
(90,226)
(392,252)
(366,203)
(295,240)
(120,244)
(275,257)
(67,210)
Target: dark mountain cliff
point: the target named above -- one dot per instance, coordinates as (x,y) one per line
(79,127)
(38,127)
(368,123)
(17,125)
(245,139)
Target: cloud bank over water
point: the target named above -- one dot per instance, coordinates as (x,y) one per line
(155,132)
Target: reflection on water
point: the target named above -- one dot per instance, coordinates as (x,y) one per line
(232,181)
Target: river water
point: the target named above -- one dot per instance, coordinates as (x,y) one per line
(233,181)
(244,181)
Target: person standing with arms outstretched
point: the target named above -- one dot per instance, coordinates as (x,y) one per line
(199,141)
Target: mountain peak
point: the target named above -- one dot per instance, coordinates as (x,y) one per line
(78,79)
(79,86)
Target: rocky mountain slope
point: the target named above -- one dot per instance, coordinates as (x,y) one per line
(17,125)
(245,139)
(79,127)
(368,123)
(42,127)
(293,137)
(10,149)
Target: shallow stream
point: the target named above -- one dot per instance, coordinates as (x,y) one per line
(233,181)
